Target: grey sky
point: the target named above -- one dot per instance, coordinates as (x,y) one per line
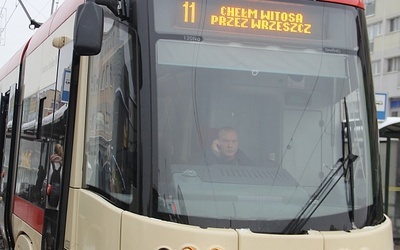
(14,23)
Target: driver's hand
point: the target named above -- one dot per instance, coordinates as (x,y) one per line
(215,147)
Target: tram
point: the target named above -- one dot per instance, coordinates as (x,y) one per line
(192,124)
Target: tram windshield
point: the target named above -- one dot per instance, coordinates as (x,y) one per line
(250,119)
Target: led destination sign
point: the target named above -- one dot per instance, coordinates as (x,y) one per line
(247,18)
(261,18)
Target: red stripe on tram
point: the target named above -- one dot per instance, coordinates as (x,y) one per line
(30,213)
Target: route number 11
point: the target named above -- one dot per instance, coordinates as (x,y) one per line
(190,10)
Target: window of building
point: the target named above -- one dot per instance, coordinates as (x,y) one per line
(394,24)
(374,30)
(394,64)
(376,67)
(394,106)
(369,7)
(394,103)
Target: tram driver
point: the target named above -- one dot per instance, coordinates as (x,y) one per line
(225,150)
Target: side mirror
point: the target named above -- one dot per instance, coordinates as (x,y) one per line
(88,33)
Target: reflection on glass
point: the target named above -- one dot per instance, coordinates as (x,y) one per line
(111,131)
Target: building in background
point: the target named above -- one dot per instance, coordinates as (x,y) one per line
(383,18)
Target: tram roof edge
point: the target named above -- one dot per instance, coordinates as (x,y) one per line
(66,9)
(355,3)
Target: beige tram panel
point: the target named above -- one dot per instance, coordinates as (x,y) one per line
(140,233)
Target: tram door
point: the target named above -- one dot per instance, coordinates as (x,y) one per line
(40,161)
(53,135)
(7,104)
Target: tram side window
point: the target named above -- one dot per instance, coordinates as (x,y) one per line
(111,119)
(7,126)
(37,142)
(5,161)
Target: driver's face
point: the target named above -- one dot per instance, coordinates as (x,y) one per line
(228,143)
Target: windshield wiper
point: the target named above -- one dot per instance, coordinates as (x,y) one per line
(349,171)
(344,164)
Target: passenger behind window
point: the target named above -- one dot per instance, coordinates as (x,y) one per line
(225,150)
(53,198)
(36,190)
(54,181)
(110,175)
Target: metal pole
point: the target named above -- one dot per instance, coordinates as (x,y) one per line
(52,7)
(34,24)
(387,174)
